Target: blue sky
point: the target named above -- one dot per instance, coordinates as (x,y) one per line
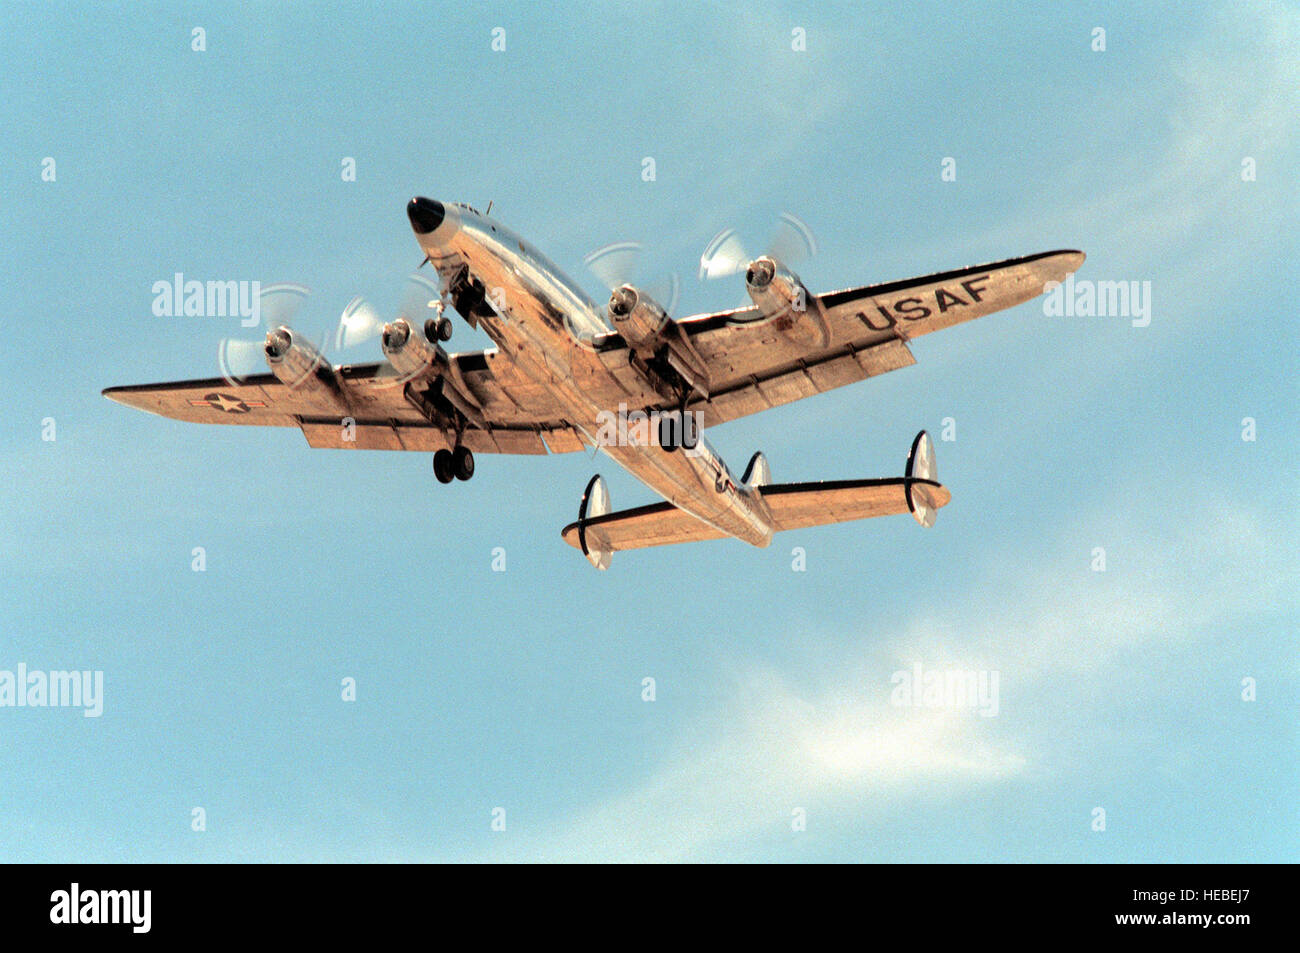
(522,689)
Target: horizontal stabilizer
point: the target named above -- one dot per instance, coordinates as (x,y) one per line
(793,506)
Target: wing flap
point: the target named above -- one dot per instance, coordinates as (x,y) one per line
(335,434)
(803,379)
(338,434)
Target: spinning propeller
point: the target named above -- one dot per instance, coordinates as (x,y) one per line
(791,243)
(420,310)
(278,307)
(617,265)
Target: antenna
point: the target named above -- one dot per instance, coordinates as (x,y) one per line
(489,208)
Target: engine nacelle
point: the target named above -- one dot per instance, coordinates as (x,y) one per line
(296,363)
(780,296)
(410,353)
(658,348)
(637,317)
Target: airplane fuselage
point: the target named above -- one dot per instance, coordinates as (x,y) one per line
(548,327)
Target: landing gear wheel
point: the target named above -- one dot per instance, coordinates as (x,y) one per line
(442,466)
(462,463)
(437,329)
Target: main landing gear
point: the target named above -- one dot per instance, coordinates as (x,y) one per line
(455,464)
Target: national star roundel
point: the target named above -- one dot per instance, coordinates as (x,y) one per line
(227,404)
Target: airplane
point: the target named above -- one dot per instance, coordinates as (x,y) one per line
(559,374)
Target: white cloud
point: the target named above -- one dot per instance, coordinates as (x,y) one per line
(1055,631)
(780,749)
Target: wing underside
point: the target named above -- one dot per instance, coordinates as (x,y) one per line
(753,366)
(378,410)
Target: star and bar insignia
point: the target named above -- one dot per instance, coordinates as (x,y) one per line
(227,404)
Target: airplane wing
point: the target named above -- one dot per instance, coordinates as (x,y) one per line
(793,506)
(509,413)
(752,366)
(256,401)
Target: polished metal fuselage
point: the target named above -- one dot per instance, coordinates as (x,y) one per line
(548,326)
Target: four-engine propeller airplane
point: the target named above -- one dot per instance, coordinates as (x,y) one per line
(558,373)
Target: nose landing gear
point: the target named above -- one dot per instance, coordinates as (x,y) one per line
(438,328)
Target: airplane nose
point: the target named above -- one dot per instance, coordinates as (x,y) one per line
(425,214)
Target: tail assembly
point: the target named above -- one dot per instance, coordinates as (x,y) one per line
(758,473)
(595,503)
(922,478)
(599,533)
